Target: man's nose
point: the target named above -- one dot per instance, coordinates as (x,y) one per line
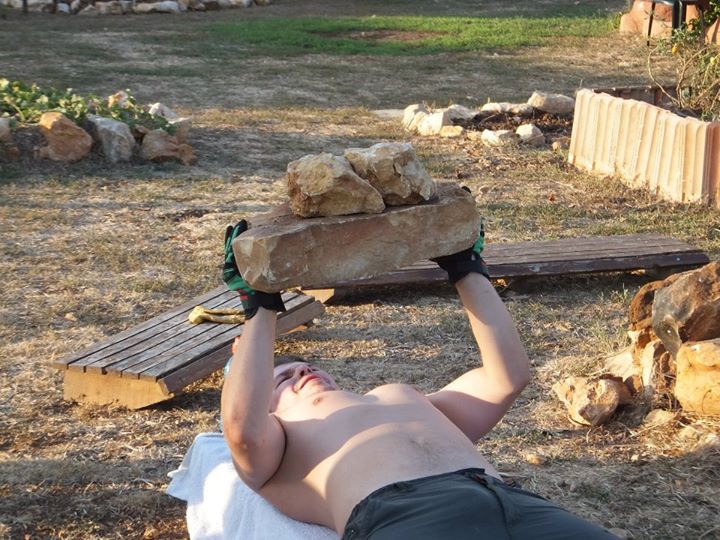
(302,370)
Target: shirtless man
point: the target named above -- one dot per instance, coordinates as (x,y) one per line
(392,463)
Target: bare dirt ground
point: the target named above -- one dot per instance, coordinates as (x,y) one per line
(88,250)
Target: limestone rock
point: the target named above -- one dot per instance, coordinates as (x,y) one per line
(499,137)
(530,134)
(109,8)
(433,123)
(451,132)
(560,144)
(5,133)
(115,137)
(181,127)
(657,369)
(263,2)
(659,417)
(410,112)
(552,103)
(77,5)
(166,6)
(127,6)
(459,112)
(242,3)
(287,251)
(519,109)
(589,402)
(159,109)
(66,141)
(416,121)
(697,386)
(158,145)
(327,185)
(393,170)
(641,304)
(196,5)
(62,8)
(689,308)
(89,11)
(623,366)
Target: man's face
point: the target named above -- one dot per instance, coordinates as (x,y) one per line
(297,381)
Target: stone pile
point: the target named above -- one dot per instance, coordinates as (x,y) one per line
(424,121)
(354,216)
(674,352)
(67,142)
(125,7)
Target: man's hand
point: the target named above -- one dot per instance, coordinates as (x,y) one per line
(460,264)
(251,299)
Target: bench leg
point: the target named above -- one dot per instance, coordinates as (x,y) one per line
(105,390)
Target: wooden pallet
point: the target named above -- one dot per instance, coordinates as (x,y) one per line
(545,258)
(152,361)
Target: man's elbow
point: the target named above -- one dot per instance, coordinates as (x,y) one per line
(519,381)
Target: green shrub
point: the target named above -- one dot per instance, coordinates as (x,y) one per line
(27,103)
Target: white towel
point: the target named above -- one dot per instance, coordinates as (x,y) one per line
(221,507)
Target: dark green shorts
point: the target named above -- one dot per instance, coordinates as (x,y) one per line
(463,505)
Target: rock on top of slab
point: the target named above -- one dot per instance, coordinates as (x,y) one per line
(327,185)
(283,250)
(394,170)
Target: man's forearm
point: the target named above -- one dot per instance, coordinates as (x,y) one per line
(504,358)
(247,390)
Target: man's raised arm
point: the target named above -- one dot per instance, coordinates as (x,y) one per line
(478,399)
(255,437)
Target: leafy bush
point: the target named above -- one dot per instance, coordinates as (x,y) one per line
(27,103)
(697,65)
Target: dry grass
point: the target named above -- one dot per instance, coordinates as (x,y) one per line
(88,251)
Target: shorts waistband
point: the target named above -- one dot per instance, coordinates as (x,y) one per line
(404,485)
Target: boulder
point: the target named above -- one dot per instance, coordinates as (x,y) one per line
(115,137)
(242,3)
(431,124)
(658,418)
(552,103)
(459,112)
(263,2)
(623,366)
(657,369)
(697,386)
(416,121)
(499,137)
(109,8)
(62,8)
(327,185)
(158,145)
(196,5)
(159,109)
(181,128)
(5,133)
(689,308)
(281,251)
(589,402)
(66,141)
(530,134)
(451,132)
(166,6)
(560,144)
(393,170)
(89,11)
(640,314)
(519,109)
(410,112)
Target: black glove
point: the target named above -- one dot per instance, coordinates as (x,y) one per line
(460,264)
(250,298)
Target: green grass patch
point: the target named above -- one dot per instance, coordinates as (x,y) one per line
(404,35)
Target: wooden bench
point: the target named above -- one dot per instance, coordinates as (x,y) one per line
(545,258)
(152,361)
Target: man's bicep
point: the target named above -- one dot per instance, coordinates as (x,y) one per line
(473,403)
(257,461)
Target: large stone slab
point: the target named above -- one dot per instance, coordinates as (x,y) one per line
(287,251)
(689,308)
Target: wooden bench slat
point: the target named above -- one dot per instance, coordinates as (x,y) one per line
(197,370)
(552,257)
(147,338)
(134,330)
(178,358)
(171,341)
